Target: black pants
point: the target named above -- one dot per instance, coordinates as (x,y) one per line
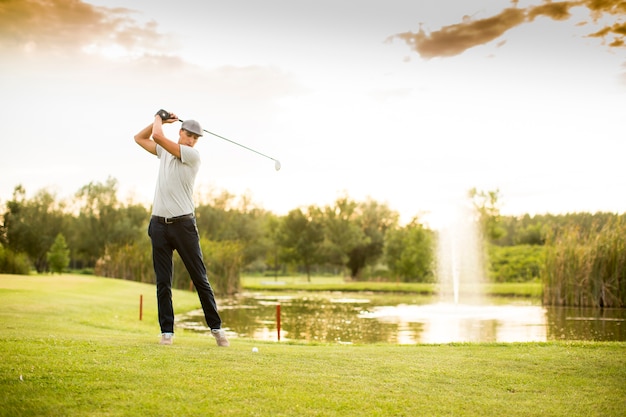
(183,237)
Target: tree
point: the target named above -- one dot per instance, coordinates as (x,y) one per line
(221,217)
(103,224)
(409,253)
(31,225)
(342,232)
(59,255)
(97,219)
(374,220)
(272,226)
(355,233)
(301,236)
(486,204)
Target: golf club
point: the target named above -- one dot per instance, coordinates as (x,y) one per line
(276,161)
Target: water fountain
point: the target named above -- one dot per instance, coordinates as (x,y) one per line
(462,313)
(461,258)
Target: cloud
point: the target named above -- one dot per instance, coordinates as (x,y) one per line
(457,38)
(555,11)
(38,36)
(67,26)
(617,28)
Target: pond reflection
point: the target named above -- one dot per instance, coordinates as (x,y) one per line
(445,323)
(607,324)
(406,319)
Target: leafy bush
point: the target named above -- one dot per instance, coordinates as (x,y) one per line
(59,255)
(521,263)
(409,253)
(223,261)
(13,263)
(131,261)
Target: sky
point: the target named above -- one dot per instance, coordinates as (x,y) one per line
(410,103)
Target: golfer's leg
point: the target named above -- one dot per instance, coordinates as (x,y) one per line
(162,260)
(188,247)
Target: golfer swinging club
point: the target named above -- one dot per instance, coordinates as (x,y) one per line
(173,225)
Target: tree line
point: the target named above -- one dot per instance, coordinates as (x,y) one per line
(579,257)
(109,237)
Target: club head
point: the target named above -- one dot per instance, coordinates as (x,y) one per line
(277,165)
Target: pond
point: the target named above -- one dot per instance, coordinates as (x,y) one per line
(406,319)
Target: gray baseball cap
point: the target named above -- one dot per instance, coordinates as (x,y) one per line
(192,126)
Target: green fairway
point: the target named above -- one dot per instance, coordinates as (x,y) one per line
(74,346)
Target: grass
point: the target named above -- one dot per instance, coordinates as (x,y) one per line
(337,283)
(74,346)
(587,267)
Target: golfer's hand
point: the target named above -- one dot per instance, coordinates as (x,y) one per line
(165,116)
(173,118)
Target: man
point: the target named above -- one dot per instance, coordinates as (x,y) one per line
(173,225)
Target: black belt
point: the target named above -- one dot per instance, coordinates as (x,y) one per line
(170,220)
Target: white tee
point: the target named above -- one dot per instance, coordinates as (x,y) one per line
(173,195)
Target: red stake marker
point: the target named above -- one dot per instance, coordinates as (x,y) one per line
(278,320)
(140,307)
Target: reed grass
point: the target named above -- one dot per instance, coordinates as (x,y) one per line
(587,267)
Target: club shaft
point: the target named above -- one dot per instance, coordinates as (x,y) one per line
(235,143)
(239,144)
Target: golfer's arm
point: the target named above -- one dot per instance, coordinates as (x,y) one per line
(160,139)
(143,139)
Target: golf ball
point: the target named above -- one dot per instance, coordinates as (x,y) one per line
(255,350)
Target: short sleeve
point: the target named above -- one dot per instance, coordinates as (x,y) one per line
(189,155)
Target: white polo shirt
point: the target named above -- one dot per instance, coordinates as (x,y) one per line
(173,195)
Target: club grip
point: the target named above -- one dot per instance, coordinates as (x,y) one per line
(163,114)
